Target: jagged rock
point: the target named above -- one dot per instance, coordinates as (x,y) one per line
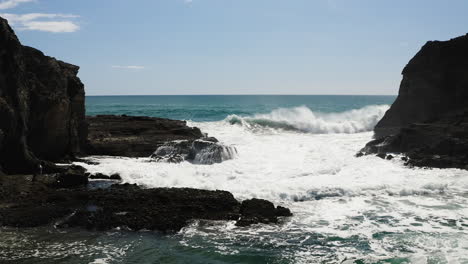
(41,106)
(428,122)
(438,144)
(434,83)
(134,136)
(198,151)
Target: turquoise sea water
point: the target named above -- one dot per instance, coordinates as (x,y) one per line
(296,151)
(217,107)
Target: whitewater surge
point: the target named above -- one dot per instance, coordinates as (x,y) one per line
(305,120)
(345,208)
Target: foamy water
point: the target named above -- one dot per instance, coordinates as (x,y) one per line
(345,208)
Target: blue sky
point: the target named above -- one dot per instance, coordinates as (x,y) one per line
(236,46)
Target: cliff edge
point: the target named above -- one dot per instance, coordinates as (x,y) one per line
(42,108)
(428,122)
(435,83)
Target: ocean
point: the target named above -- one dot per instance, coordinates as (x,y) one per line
(295,150)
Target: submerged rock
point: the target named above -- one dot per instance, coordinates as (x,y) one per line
(199,151)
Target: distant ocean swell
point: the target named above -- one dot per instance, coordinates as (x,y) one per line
(303,119)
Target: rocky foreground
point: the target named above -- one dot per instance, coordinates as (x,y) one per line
(428,122)
(42,121)
(66,200)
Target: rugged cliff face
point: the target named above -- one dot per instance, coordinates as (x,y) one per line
(429,120)
(42,112)
(435,82)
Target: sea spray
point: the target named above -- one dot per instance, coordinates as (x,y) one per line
(305,120)
(350,209)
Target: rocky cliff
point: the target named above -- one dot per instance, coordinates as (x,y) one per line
(435,82)
(428,122)
(42,108)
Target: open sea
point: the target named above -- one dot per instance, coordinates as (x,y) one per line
(297,151)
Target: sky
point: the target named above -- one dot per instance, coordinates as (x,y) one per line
(151,47)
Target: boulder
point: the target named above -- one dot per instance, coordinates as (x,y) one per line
(255,211)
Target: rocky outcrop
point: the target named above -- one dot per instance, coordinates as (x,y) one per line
(428,122)
(438,144)
(42,108)
(128,206)
(200,151)
(435,83)
(135,136)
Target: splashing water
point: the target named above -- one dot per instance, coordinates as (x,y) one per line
(304,120)
(346,209)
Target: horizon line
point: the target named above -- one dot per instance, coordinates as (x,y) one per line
(239,94)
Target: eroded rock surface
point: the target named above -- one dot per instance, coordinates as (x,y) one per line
(63,200)
(135,136)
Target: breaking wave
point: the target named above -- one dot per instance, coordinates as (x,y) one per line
(303,119)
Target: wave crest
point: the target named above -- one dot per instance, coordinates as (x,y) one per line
(303,119)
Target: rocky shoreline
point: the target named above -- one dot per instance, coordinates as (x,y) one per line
(43,123)
(64,202)
(428,122)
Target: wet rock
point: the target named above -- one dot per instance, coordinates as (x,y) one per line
(134,136)
(389,157)
(256,211)
(73,177)
(381,155)
(115,176)
(199,151)
(359,154)
(101,176)
(283,211)
(26,204)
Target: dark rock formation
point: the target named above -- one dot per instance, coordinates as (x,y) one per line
(429,119)
(135,136)
(41,106)
(440,144)
(26,204)
(435,82)
(200,151)
(260,211)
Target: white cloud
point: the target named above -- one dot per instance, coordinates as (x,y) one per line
(132,67)
(188,1)
(12,3)
(43,22)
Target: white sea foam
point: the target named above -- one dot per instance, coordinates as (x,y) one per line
(305,120)
(341,195)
